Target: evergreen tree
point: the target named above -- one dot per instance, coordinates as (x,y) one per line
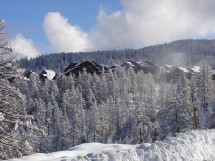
(12,111)
(182,105)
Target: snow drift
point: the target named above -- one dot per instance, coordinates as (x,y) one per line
(196,145)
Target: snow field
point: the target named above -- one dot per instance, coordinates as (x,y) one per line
(196,145)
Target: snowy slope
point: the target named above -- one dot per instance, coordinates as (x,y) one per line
(193,145)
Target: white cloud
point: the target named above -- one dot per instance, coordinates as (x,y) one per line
(140,23)
(144,22)
(63,36)
(23,47)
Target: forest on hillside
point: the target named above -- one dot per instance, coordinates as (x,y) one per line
(123,106)
(179,53)
(115,107)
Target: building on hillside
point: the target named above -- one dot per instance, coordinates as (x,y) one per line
(47,74)
(90,66)
(146,67)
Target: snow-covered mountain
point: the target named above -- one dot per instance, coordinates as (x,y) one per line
(196,145)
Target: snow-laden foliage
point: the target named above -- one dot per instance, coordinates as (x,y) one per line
(195,145)
(116,107)
(177,53)
(15,133)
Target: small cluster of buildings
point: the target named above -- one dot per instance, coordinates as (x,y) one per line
(168,73)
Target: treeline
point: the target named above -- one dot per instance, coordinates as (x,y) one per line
(119,107)
(179,53)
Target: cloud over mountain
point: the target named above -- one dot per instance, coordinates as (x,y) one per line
(139,23)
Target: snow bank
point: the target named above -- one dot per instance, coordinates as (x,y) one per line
(193,145)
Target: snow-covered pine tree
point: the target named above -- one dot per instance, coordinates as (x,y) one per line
(12,108)
(196,104)
(72,102)
(92,119)
(104,121)
(209,88)
(182,105)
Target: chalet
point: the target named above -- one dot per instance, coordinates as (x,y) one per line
(47,74)
(128,64)
(175,73)
(90,66)
(71,65)
(27,73)
(113,68)
(146,67)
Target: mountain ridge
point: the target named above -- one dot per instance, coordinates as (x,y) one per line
(181,52)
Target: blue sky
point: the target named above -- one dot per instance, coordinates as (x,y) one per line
(27,16)
(37,27)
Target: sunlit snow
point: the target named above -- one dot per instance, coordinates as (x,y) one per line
(50,74)
(183,69)
(168,66)
(196,69)
(193,145)
(1,116)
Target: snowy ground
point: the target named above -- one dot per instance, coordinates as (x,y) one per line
(189,146)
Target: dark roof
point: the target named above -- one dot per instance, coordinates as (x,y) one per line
(90,66)
(94,67)
(146,67)
(71,65)
(27,73)
(48,74)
